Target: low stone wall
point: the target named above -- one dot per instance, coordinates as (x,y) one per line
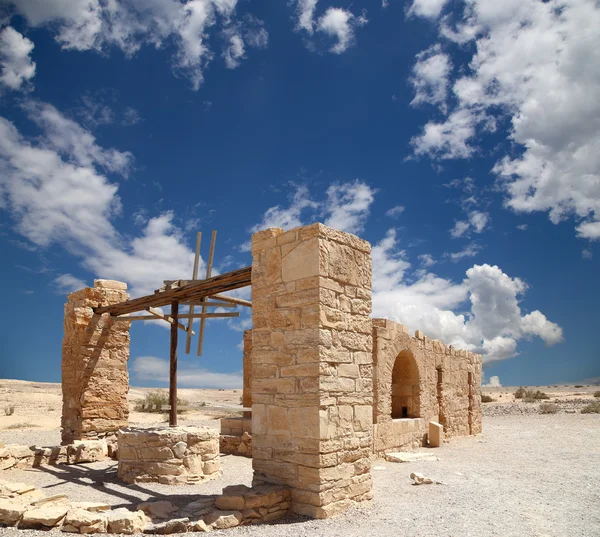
(236,436)
(80,451)
(171,456)
(24,507)
(400,434)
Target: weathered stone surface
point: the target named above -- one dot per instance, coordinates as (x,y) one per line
(220,520)
(11,511)
(126,522)
(436,434)
(161,509)
(46,515)
(174,525)
(171,456)
(95,381)
(86,521)
(410,456)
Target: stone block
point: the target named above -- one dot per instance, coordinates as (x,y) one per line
(436,434)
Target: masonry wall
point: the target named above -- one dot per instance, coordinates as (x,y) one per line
(312,386)
(95,381)
(247,366)
(454,402)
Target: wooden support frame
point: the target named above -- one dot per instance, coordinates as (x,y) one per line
(188,339)
(233,300)
(211,256)
(173,365)
(225,314)
(168,318)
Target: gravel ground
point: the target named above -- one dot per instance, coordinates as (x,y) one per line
(530,475)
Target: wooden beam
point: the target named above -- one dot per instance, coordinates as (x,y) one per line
(211,256)
(182,316)
(233,300)
(191,292)
(188,339)
(210,304)
(173,365)
(169,319)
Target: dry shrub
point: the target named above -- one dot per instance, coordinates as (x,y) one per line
(154,402)
(22,425)
(592,408)
(548,408)
(530,396)
(487,398)
(9,410)
(597,394)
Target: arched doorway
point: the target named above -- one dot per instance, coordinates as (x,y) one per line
(405,387)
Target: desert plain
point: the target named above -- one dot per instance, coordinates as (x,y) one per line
(527,474)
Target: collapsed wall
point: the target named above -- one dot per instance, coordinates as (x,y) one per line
(95,381)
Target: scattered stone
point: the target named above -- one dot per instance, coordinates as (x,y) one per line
(160,509)
(45,515)
(11,511)
(93,507)
(420,479)
(198,525)
(126,522)
(57,498)
(85,521)
(175,525)
(220,520)
(179,449)
(402,456)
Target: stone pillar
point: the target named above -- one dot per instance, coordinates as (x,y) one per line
(312,372)
(95,351)
(247,391)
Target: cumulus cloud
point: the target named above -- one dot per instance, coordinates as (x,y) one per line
(337,23)
(430,77)
(132,24)
(535,67)
(494,322)
(395,212)
(57,189)
(153,369)
(493,383)
(16,65)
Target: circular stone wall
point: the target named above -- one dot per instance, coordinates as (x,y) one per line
(172,456)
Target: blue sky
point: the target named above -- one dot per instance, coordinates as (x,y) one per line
(462,139)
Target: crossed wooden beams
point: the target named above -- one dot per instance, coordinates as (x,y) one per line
(203,293)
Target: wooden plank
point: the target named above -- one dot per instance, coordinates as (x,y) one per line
(211,256)
(182,316)
(167,318)
(210,304)
(173,365)
(233,300)
(188,339)
(193,291)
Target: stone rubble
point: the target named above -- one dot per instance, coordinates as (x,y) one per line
(238,505)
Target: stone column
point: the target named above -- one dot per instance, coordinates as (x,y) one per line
(247,390)
(95,352)
(312,372)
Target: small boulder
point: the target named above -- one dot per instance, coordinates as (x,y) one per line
(175,525)
(221,520)
(161,509)
(85,521)
(179,449)
(126,522)
(11,511)
(49,515)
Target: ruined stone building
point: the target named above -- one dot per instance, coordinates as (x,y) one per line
(329,387)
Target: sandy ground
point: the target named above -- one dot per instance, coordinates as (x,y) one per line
(534,475)
(527,475)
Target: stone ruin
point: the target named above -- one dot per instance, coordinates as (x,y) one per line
(329,387)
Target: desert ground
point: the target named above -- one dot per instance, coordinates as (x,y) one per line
(528,474)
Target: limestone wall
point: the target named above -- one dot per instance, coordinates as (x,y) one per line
(171,456)
(312,386)
(95,351)
(247,388)
(448,381)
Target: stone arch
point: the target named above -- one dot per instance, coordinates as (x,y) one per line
(405,387)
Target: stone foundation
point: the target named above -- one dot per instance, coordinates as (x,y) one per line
(95,352)
(172,456)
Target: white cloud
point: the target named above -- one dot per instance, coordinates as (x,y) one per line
(470,250)
(131,24)
(459,229)
(534,66)
(396,211)
(348,205)
(430,77)
(493,383)
(522,227)
(427,260)
(54,189)
(67,283)
(131,117)
(587,254)
(494,323)
(429,9)
(252,33)
(17,68)
(337,23)
(153,369)
(340,24)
